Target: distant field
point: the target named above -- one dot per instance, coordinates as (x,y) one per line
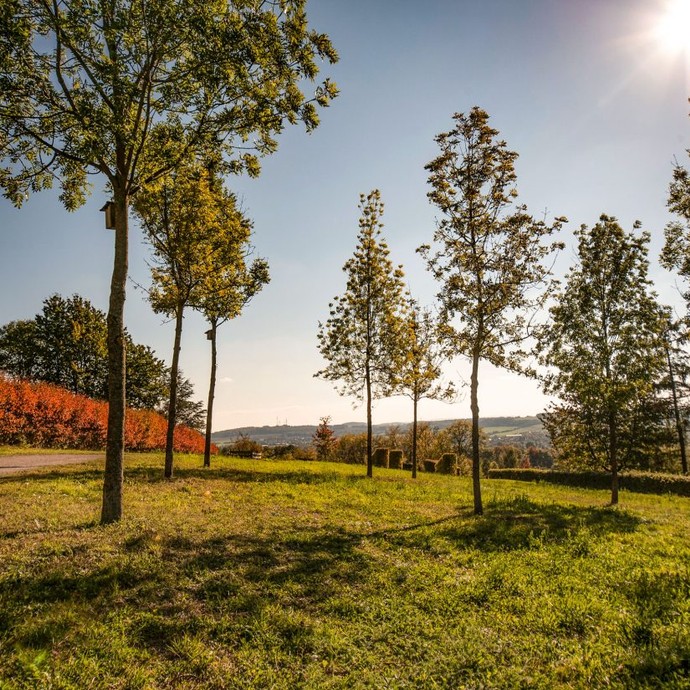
(258,574)
(302,435)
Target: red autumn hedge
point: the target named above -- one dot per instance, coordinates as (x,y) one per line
(43,415)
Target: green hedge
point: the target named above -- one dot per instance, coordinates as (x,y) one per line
(641,482)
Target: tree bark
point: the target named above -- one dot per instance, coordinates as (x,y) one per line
(172,405)
(211,395)
(476,460)
(111,509)
(370,459)
(676,411)
(414,437)
(613,449)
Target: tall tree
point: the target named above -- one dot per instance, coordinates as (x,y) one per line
(129,90)
(419,375)
(188,411)
(675,255)
(457,438)
(605,347)
(361,340)
(66,344)
(187,221)
(227,287)
(490,256)
(72,336)
(676,379)
(147,377)
(18,349)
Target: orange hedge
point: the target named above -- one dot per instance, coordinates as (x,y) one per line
(43,415)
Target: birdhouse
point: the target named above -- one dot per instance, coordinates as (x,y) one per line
(109,210)
(209,334)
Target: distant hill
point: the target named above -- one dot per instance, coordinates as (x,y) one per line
(518,430)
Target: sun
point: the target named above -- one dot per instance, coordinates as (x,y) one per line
(673,29)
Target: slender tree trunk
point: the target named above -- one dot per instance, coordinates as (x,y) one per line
(370,459)
(414,437)
(172,406)
(676,411)
(476,460)
(111,509)
(613,449)
(211,395)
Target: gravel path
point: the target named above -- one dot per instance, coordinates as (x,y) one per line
(12,464)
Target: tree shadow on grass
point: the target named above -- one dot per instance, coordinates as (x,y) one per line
(520,523)
(311,554)
(258,476)
(240,575)
(154,475)
(42,474)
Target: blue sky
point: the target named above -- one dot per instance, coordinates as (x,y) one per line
(587,92)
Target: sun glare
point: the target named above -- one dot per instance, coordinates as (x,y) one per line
(673,29)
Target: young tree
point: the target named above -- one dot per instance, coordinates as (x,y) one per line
(458,438)
(323,440)
(362,338)
(392,438)
(491,254)
(606,349)
(226,289)
(421,370)
(129,90)
(425,439)
(190,224)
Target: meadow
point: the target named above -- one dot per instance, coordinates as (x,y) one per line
(285,574)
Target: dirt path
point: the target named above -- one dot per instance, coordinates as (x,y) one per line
(11,464)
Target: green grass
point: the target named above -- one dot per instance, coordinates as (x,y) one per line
(258,574)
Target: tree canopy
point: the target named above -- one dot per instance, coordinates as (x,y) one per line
(606,352)
(197,237)
(489,254)
(65,344)
(130,90)
(361,340)
(420,372)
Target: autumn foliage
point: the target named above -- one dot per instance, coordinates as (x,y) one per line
(40,414)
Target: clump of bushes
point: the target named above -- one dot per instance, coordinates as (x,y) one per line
(395,459)
(447,464)
(382,457)
(47,416)
(640,482)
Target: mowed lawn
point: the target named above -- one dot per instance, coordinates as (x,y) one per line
(277,574)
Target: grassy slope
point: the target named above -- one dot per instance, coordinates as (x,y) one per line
(287,575)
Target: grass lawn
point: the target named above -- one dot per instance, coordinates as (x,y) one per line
(262,574)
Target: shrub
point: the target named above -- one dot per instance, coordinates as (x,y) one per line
(640,482)
(382,457)
(447,464)
(40,414)
(352,449)
(244,444)
(429,465)
(395,459)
